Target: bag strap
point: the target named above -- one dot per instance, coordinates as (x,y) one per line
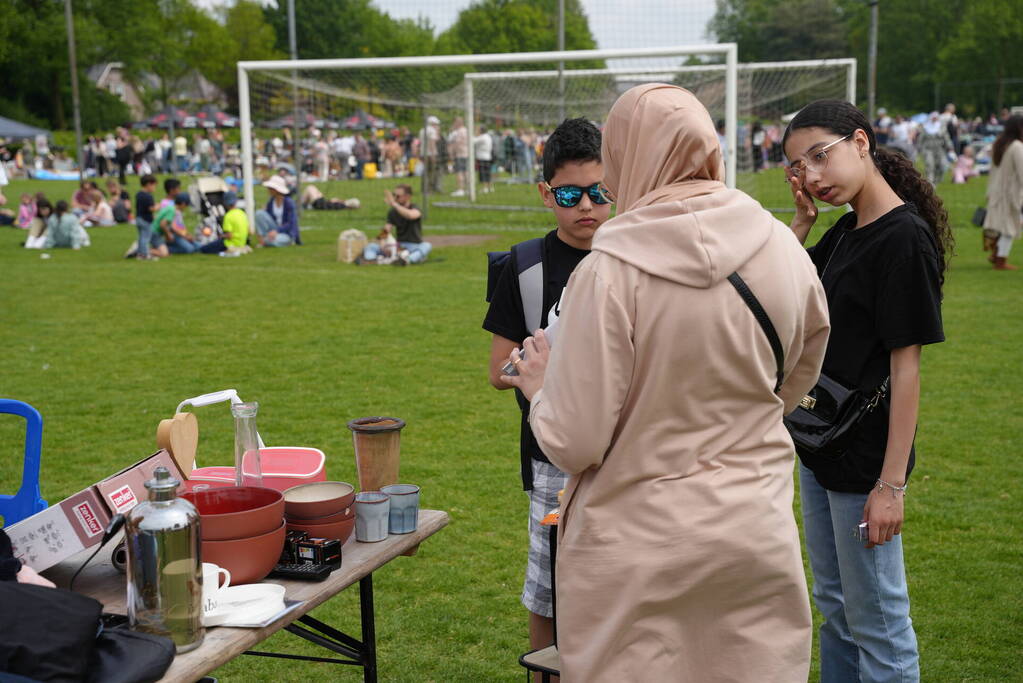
(765,324)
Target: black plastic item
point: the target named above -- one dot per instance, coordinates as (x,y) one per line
(304,572)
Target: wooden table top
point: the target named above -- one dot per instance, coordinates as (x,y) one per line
(101,581)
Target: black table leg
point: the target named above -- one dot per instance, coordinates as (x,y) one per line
(369,636)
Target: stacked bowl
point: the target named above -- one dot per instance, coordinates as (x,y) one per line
(322,509)
(242,529)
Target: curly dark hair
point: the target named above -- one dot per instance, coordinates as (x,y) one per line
(842,118)
(573,140)
(1013,131)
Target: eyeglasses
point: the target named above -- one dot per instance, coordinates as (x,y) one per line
(818,160)
(567,196)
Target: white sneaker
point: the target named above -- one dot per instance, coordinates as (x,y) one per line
(458,193)
(403,258)
(132,250)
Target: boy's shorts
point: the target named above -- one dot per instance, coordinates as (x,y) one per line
(461,163)
(536,592)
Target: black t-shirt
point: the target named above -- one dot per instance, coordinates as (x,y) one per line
(406,230)
(883,287)
(506,318)
(144,205)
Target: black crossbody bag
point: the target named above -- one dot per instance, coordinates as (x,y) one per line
(826,420)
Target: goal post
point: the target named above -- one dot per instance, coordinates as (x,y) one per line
(471,62)
(807,80)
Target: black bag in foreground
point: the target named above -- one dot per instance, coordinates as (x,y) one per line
(827,418)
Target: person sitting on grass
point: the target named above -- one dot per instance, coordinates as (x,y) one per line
(312,198)
(120,202)
(278,222)
(406,221)
(236,230)
(63,231)
(171,188)
(100,212)
(81,200)
(26,211)
(170,222)
(37,231)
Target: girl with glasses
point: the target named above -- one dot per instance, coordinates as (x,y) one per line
(882,266)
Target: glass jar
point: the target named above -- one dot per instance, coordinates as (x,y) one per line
(165,565)
(247,470)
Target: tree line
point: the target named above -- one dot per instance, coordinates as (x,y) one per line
(163,43)
(930,52)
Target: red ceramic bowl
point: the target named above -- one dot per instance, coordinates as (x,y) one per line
(339,530)
(336,517)
(248,559)
(237,511)
(319,499)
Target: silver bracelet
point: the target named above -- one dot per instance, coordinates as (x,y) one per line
(882,483)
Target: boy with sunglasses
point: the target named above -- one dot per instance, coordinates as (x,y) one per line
(527,296)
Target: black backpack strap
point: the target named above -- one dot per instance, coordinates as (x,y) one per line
(765,323)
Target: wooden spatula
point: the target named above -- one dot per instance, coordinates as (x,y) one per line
(180,437)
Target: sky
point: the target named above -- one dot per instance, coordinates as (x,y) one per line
(614,23)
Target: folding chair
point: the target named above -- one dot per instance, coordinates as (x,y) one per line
(28,500)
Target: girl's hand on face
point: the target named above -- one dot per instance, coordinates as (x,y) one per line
(884,514)
(806,210)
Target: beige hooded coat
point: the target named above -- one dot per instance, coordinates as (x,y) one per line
(679,555)
(1005,193)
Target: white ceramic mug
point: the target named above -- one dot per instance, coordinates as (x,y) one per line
(211,586)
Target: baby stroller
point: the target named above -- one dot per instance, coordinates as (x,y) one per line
(208,195)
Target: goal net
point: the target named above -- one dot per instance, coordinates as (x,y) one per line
(336,119)
(768,94)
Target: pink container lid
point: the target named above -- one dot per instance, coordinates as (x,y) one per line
(277,461)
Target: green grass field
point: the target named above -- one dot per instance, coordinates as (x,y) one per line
(105,348)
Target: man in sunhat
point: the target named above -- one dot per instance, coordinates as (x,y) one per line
(277,224)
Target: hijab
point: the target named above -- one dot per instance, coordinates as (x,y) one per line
(660,145)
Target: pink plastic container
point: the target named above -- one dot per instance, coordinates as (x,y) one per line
(283,467)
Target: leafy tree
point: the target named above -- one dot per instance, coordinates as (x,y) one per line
(771,30)
(242,34)
(986,45)
(488,26)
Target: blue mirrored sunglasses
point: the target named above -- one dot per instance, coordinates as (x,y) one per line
(567,196)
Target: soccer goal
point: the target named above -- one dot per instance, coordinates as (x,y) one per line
(325,98)
(768,94)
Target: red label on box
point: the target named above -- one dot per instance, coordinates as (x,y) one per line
(88,520)
(123,499)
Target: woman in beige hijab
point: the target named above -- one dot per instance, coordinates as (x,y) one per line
(679,555)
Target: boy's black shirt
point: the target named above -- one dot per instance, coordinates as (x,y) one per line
(144,204)
(505,316)
(882,283)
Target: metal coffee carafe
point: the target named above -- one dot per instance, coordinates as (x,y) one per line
(164,564)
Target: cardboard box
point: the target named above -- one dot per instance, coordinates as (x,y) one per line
(126,489)
(60,531)
(66,528)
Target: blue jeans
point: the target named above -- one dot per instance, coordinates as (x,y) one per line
(867,634)
(417,251)
(182,246)
(145,229)
(265,223)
